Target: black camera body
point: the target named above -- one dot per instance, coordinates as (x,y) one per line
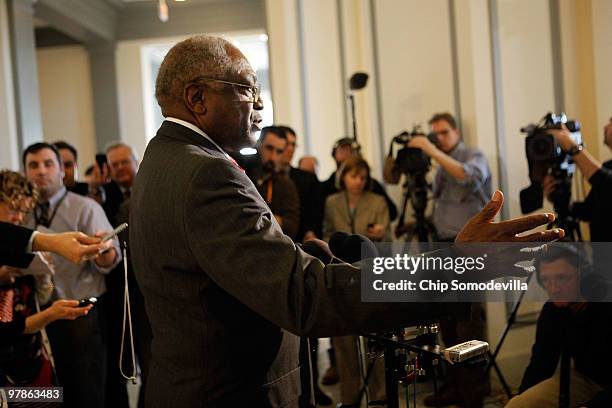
(410,160)
(545,156)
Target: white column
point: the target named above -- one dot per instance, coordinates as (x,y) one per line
(9,153)
(285,67)
(25,74)
(602,51)
(324,98)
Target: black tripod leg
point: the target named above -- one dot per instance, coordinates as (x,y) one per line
(502,380)
(435,383)
(366,381)
(500,343)
(390,382)
(564,380)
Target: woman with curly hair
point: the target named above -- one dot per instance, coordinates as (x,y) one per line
(23,359)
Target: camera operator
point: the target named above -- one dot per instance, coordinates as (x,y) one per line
(569,325)
(595,208)
(462,182)
(461,186)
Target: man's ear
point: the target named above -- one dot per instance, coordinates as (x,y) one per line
(195,99)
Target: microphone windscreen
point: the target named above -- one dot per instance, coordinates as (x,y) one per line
(319,249)
(358,247)
(336,243)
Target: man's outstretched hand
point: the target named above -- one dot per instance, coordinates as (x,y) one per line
(74,246)
(481,228)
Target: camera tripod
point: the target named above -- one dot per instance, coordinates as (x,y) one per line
(561,198)
(405,359)
(415,190)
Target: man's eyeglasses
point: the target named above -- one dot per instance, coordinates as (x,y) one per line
(254,90)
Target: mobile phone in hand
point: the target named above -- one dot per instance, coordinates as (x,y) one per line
(87,301)
(101,160)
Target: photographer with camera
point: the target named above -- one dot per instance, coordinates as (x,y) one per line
(462,182)
(595,208)
(568,327)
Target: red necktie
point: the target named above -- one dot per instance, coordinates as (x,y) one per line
(235,163)
(6,305)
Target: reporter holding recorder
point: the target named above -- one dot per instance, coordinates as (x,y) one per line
(79,346)
(23,362)
(17,244)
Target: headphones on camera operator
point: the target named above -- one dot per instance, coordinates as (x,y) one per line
(593,286)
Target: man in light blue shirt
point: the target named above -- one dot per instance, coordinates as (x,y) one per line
(79,346)
(462,185)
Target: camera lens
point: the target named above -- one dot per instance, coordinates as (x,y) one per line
(541,147)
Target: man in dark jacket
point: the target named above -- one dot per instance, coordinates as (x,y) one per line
(309,191)
(274,186)
(570,326)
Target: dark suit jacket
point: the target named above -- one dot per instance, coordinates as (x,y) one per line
(13,242)
(285,202)
(113,201)
(226,291)
(596,206)
(309,191)
(79,188)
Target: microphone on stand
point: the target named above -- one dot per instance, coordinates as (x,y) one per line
(352,248)
(319,249)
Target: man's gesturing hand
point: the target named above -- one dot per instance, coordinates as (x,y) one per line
(481,228)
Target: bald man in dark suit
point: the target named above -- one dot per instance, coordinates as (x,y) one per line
(227,293)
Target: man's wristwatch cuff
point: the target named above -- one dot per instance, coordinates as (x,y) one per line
(575,150)
(30,246)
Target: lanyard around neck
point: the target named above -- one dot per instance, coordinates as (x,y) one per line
(50,219)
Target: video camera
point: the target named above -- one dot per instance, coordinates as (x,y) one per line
(412,160)
(545,156)
(415,164)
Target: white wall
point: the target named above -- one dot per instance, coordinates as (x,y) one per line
(324,98)
(527,82)
(285,65)
(131,95)
(416,77)
(9,156)
(66,101)
(602,44)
